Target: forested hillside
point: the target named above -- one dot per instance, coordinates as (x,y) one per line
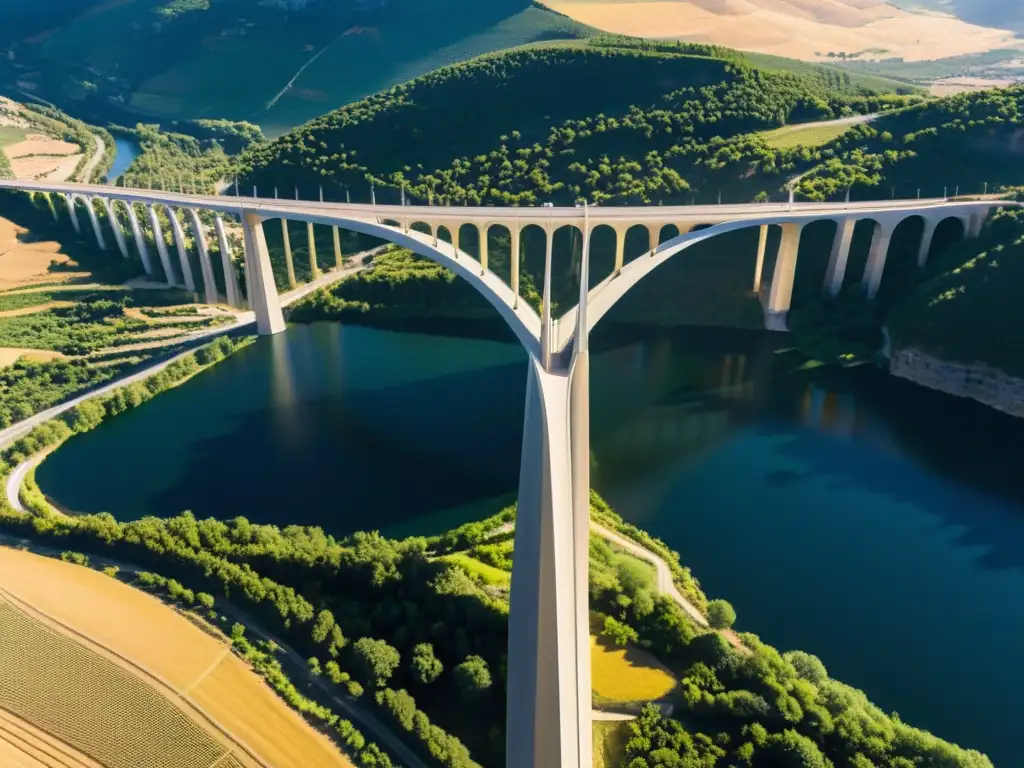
(612,120)
(273,63)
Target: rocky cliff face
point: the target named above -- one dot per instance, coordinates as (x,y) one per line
(975,381)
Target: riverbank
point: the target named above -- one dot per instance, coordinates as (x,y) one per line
(985,384)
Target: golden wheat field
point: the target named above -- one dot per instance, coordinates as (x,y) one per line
(119,676)
(25,746)
(627,674)
(234,696)
(128,621)
(91,702)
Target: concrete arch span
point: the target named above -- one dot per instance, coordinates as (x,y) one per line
(522,319)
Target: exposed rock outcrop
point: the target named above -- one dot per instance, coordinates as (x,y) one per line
(976,381)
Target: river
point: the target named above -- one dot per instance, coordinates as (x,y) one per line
(856,516)
(126,149)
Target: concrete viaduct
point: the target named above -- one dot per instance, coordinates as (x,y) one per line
(549,698)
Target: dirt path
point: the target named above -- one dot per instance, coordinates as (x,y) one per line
(36,309)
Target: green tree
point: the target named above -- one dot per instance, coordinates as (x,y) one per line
(721,614)
(425,666)
(473,675)
(617,633)
(314,665)
(807,665)
(376,660)
(323,626)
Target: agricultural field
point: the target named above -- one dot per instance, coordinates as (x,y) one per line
(868,28)
(627,675)
(791,136)
(72,316)
(133,655)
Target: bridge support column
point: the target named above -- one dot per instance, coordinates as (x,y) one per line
(514,245)
(876,258)
(930,225)
(262,292)
(549,637)
(455,238)
(205,266)
(483,248)
(653,237)
(762,245)
(115,226)
(314,268)
(976,222)
(230,280)
(73,213)
(289,264)
(836,271)
(53,208)
(161,246)
(781,292)
(140,240)
(179,242)
(95,220)
(339,261)
(620,249)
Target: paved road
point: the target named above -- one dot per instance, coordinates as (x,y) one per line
(95,159)
(329,213)
(666,585)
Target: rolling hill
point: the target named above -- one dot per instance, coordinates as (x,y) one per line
(807,29)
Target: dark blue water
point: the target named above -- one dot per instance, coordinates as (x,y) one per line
(126,150)
(856,516)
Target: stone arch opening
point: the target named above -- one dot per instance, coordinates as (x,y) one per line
(637,242)
(421,226)
(603,245)
(816,241)
(948,232)
(444,234)
(469,240)
(566,259)
(499,252)
(531,264)
(901,271)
